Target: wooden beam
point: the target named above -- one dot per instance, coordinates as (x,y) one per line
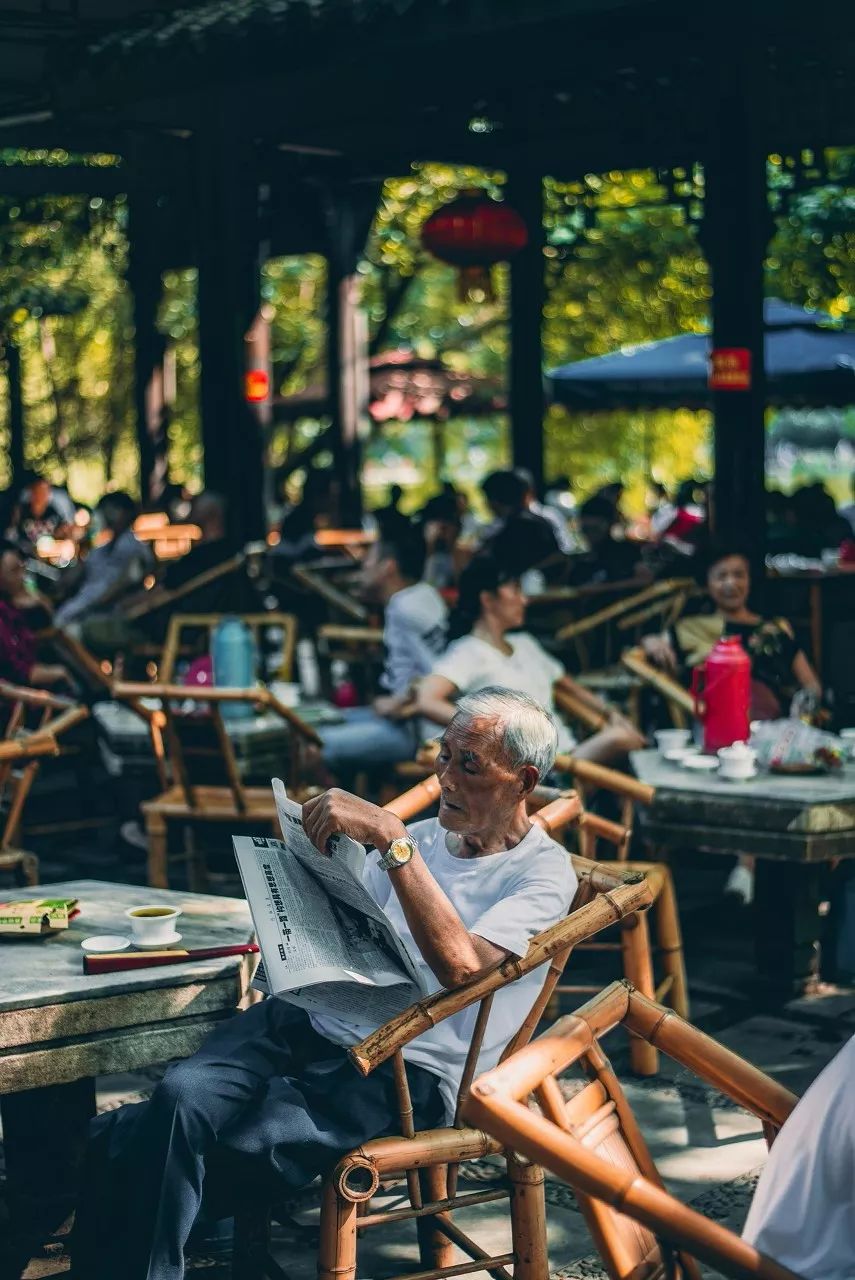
(525,193)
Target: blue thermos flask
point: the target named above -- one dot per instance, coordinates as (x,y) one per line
(235,660)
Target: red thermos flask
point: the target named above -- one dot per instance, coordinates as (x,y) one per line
(722,691)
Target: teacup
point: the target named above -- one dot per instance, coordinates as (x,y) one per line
(152,923)
(672,739)
(738,761)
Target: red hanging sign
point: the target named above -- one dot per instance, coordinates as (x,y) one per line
(730,369)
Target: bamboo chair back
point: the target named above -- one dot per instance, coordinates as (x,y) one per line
(200,626)
(198,746)
(34,720)
(680,703)
(592,1140)
(166,599)
(662,601)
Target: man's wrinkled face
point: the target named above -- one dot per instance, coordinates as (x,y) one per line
(478,787)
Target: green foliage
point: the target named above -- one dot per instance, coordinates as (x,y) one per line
(623,264)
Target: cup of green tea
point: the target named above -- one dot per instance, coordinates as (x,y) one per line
(153,924)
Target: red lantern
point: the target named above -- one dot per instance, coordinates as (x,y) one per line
(256,386)
(473,232)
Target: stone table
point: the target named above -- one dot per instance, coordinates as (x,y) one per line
(794,826)
(59,1029)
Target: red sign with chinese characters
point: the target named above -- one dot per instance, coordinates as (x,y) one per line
(730,369)
(256,385)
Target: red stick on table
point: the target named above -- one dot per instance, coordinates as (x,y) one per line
(121,961)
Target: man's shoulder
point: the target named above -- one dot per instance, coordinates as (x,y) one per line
(415,602)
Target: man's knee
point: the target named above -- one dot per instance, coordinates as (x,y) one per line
(185,1088)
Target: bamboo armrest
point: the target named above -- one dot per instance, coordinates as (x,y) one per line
(635,661)
(351,635)
(607,908)
(35,744)
(193,693)
(338,599)
(576,709)
(34,697)
(64,721)
(599,775)
(163,597)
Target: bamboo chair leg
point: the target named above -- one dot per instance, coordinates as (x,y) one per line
(251,1242)
(337,1245)
(155,829)
(638,969)
(435,1249)
(528,1219)
(670,940)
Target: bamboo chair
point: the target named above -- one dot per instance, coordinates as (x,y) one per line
(206,783)
(338,600)
(180,623)
(160,598)
(21,752)
(593,1141)
(429,1160)
(680,703)
(660,600)
(638,954)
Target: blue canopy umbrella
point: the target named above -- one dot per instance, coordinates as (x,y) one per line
(807,363)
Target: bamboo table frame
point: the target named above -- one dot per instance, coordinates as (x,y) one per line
(60,1029)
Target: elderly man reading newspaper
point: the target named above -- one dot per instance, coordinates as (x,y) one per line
(273,1084)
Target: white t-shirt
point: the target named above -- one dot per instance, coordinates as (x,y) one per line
(803,1211)
(471,664)
(505,898)
(413,633)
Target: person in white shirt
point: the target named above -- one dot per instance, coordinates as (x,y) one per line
(488,648)
(413,634)
(274,1087)
(803,1211)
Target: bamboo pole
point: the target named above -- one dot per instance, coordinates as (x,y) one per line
(635,661)
(528,1219)
(611,611)
(435,1249)
(599,775)
(337,1242)
(638,969)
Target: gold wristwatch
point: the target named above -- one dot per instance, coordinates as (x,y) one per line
(398,854)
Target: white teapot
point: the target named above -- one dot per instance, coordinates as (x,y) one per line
(738,761)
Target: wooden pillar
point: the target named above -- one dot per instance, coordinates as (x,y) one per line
(525,372)
(14,386)
(347,348)
(735,233)
(150,402)
(229,212)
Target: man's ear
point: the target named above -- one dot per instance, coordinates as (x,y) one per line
(529,778)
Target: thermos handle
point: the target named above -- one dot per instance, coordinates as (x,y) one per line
(699,685)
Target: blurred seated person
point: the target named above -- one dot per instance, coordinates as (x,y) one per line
(299,524)
(44,512)
(18,662)
(110,570)
(208,511)
(441,526)
(802,1210)
(391,521)
(552,517)
(607,559)
(816,525)
(488,647)
(519,540)
(413,635)
(779,667)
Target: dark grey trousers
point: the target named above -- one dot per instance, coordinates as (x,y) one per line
(266,1098)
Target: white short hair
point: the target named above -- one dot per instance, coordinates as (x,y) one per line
(528,732)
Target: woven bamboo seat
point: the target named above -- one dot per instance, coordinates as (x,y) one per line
(428,1161)
(592,1140)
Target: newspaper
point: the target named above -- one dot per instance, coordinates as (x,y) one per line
(325,944)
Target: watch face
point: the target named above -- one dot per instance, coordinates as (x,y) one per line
(400,851)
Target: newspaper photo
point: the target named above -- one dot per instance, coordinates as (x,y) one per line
(325,944)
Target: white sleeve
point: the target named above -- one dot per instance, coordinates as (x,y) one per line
(540,899)
(458,665)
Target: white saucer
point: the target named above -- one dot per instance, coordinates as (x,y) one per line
(164,943)
(703,764)
(678,754)
(105,942)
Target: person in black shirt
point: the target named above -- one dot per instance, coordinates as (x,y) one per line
(606,560)
(522,539)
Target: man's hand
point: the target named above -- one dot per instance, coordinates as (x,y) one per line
(338,812)
(395,706)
